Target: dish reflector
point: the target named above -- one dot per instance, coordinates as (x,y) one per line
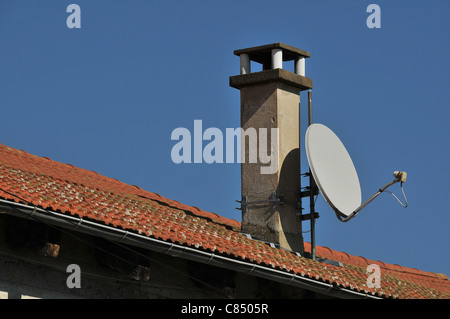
(332,169)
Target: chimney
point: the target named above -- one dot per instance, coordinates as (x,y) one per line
(270,99)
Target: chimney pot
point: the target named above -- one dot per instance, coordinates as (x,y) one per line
(300,66)
(277,59)
(245,63)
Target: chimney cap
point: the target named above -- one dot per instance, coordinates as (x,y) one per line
(261,53)
(298,81)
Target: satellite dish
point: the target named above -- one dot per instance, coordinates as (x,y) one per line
(335,175)
(333,169)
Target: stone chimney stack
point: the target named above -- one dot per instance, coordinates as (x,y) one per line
(270,99)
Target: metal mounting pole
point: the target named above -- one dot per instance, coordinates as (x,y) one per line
(312,186)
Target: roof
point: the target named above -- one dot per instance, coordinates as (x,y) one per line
(79,192)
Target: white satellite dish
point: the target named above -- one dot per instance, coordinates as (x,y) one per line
(335,174)
(333,169)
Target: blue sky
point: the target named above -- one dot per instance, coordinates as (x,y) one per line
(106,97)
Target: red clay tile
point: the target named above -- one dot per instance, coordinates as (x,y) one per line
(87,194)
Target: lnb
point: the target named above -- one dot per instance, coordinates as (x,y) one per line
(400,176)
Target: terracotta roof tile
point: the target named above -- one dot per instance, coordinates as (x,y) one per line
(89,195)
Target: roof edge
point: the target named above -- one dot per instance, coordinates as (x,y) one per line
(177,250)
